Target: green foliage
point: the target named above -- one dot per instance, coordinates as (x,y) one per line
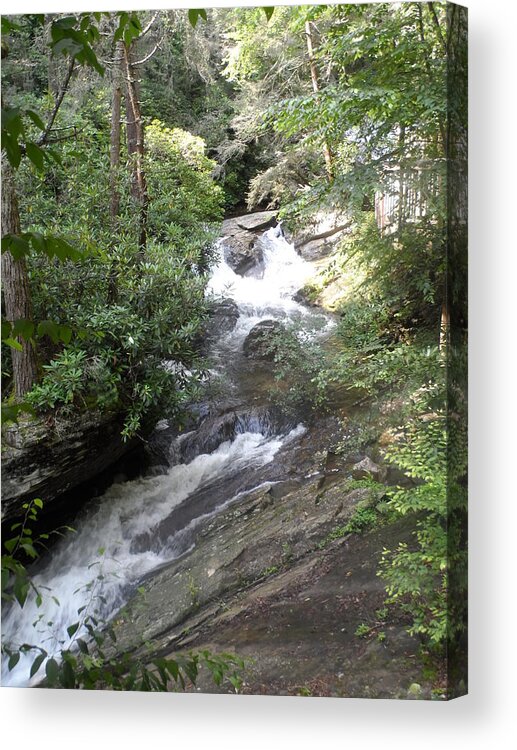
(183,195)
(417,576)
(129,28)
(16,583)
(116,360)
(362,630)
(72,36)
(20,245)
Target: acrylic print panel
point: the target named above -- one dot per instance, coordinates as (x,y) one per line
(234,373)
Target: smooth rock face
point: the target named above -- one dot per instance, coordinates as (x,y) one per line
(243,251)
(45,462)
(257,344)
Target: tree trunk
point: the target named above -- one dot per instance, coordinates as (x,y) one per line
(135,147)
(315,87)
(115,161)
(17,295)
(115,134)
(402,177)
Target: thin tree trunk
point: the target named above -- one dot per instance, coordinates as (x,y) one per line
(115,135)
(115,162)
(135,147)
(402,178)
(315,87)
(16,289)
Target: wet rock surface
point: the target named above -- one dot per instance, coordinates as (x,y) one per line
(258,344)
(243,249)
(264,582)
(223,318)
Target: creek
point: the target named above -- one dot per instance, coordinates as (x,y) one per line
(137,527)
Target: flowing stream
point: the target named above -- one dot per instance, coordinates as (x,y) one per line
(138,526)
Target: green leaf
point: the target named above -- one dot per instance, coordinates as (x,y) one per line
(10,412)
(12,122)
(13,660)
(52,670)
(83,646)
(13,344)
(36,119)
(35,154)
(50,329)
(37,502)
(13,150)
(6,329)
(8,25)
(68,675)
(193,15)
(65,334)
(268,10)
(23,328)
(71,629)
(38,661)
(17,245)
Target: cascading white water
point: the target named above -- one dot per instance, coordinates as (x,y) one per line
(104,541)
(103,545)
(270,294)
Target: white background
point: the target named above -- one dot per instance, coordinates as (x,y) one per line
(57,719)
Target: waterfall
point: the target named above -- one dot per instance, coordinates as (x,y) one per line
(136,526)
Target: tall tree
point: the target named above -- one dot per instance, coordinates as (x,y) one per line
(316,88)
(135,143)
(116,111)
(16,289)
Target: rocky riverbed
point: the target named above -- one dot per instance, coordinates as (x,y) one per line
(240,536)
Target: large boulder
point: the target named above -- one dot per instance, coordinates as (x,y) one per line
(257,344)
(242,248)
(258,221)
(242,252)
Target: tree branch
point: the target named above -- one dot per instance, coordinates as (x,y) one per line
(148,57)
(44,136)
(148,27)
